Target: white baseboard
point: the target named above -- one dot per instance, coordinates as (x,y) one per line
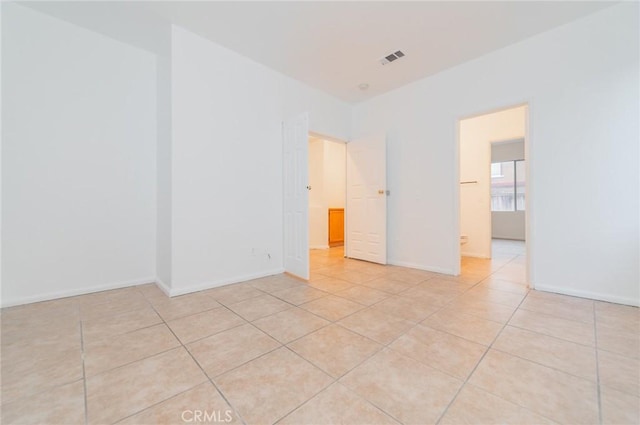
(319,247)
(222,282)
(588,294)
(163,287)
(421,267)
(74,292)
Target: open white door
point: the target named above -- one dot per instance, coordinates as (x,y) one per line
(366,209)
(296,195)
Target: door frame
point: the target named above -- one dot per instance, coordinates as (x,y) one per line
(529,187)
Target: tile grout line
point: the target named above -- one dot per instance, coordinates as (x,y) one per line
(598,389)
(180,344)
(466,381)
(201,369)
(84,373)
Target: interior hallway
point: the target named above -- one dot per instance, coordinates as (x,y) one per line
(360,343)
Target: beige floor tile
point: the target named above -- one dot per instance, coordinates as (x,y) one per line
(512,274)
(618,339)
(231,348)
(255,308)
(619,408)
(448,353)
(109,353)
(276,283)
(39,370)
(271,386)
(560,298)
(475,406)
(357,277)
(617,314)
(408,390)
(414,310)
(184,305)
(499,297)
(486,310)
(188,407)
(412,276)
(52,332)
(290,324)
(331,284)
(619,372)
(334,349)
(62,405)
(42,310)
(465,326)
(200,325)
(231,294)
(548,392)
(337,405)
(431,296)
(557,353)
(300,294)
(503,285)
(582,312)
(363,295)
(447,285)
(116,325)
(151,291)
(570,330)
(38,341)
(121,392)
(114,295)
(618,328)
(123,303)
(332,307)
(388,285)
(376,325)
(317,273)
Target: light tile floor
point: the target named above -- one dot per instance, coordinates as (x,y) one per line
(359,344)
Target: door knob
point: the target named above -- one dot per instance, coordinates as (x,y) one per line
(380,192)
(308,187)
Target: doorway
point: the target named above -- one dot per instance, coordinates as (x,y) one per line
(327,196)
(365,200)
(493,193)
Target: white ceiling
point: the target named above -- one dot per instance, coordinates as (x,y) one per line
(334,46)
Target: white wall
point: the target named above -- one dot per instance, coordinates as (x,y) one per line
(164,207)
(476,137)
(581,80)
(335,169)
(327,177)
(227,161)
(78,159)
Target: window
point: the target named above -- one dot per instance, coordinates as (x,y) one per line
(507,186)
(496,169)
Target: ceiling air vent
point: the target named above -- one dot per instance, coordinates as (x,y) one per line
(391,57)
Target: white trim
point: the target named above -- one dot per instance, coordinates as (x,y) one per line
(163,287)
(589,295)
(319,247)
(422,267)
(222,282)
(73,292)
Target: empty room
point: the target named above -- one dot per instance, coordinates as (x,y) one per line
(316,213)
